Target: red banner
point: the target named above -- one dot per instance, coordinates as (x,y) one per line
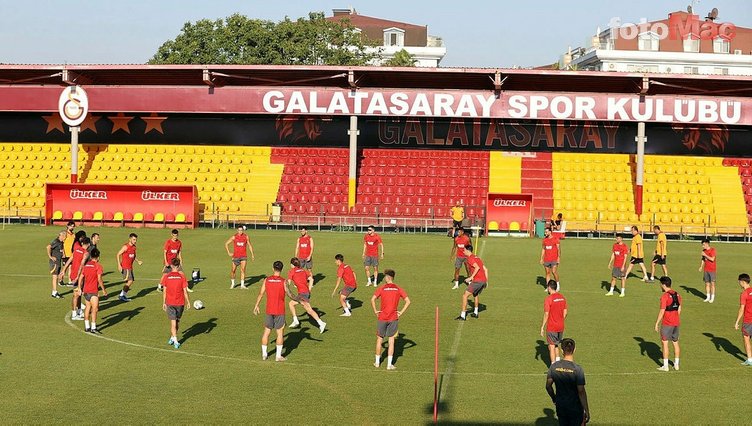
(508,105)
(508,212)
(122,203)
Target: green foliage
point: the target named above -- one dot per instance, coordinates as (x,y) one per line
(401,59)
(238,39)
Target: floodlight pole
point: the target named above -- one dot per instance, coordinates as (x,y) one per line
(353,132)
(640,167)
(74,153)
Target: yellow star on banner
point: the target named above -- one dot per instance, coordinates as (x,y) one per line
(154,122)
(120,122)
(54,122)
(90,123)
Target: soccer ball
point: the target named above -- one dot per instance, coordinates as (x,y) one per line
(198,305)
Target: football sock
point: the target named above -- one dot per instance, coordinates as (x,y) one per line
(665,362)
(378,359)
(456,282)
(93,326)
(54,293)
(557,359)
(557,286)
(612,289)
(462,314)
(263,351)
(749,360)
(295,318)
(122,293)
(347,310)
(389,360)
(279,351)
(676,362)
(86,323)
(232,281)
(475,311)
(623,290)
(74,313)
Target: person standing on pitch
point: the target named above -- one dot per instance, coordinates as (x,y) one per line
(570,396)
(173,249)
(708,267)
(476,282)
(70,239)
(89,285)
(458,255)
(637,254)
(239,255)
(550,256)
(76,262)
(388,316)
(616,265)
(745,314)
(55,254)
(660,253)
(302,280)
(125,258)
(304,253)
(371,245)
(346,274)
(275,290)
(175,299)
(668,320)
(554,314)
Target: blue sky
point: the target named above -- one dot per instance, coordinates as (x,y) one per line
(476,33)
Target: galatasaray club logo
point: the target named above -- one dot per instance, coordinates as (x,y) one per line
(73,105)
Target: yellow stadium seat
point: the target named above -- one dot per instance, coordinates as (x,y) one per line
(78,215)
(98,216)
(138,217)
(514,226)
(57,215)
(118,216)
(180,217)
(159,217)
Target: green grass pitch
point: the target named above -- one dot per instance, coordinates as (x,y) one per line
(492,368)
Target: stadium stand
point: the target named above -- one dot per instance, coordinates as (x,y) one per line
(421,183)
(588,185)
(589,189)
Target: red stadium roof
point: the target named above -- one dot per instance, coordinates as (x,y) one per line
(374,78)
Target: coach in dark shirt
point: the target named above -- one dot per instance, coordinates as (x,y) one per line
(570,396)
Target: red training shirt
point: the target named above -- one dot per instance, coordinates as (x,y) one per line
(128,257)
(555,305)
(240,246)
(78,257)
(348,276)
(460,242)
(746,300)
(91,273)
(372,242)
(304,247)
(174,283)
(275,295)
(670,318)
(550,249)
(620,254)
(390,295)
(710,266)
(172,248)
(299,277)
(473,260)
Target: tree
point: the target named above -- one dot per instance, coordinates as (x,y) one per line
(239,40)
(401,59)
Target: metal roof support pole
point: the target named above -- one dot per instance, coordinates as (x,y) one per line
(353,132)
(640,167)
